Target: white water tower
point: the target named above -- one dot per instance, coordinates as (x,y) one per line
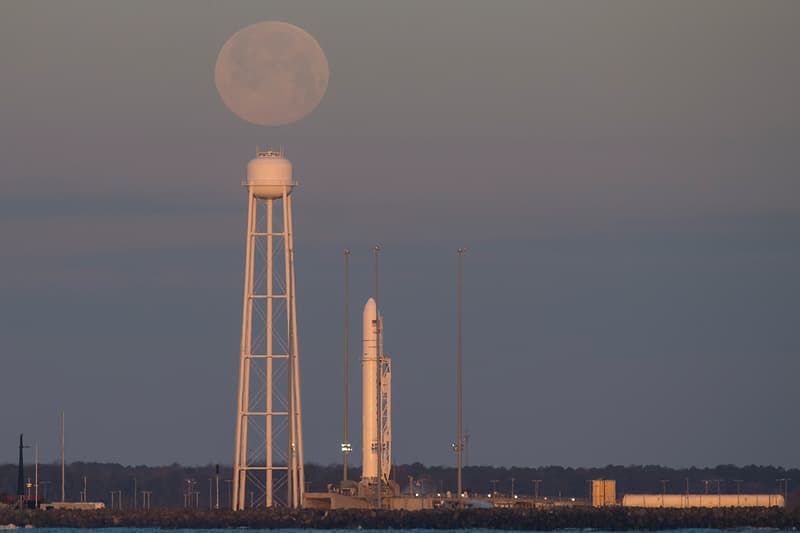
(268,463)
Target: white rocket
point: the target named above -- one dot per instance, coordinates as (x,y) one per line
(369,401)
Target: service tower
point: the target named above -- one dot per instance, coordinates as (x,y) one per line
(268,462)
(372,356)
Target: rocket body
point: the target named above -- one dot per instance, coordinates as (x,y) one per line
(373,358)
(369,393)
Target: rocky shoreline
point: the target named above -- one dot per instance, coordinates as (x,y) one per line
(617,519)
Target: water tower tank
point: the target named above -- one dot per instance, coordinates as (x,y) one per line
(269,174)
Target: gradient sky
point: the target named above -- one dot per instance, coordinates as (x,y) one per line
(624,173)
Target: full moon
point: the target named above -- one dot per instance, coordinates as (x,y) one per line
(271,73)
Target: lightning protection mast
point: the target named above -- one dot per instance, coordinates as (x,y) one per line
(460,438)
(268,462)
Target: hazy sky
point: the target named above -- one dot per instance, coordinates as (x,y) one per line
(624,173)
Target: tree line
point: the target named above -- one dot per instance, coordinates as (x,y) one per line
(178,486)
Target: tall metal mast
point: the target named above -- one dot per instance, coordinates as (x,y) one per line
(460,440)
(379,367)
(346,448)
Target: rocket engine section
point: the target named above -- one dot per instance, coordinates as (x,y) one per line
(372,356)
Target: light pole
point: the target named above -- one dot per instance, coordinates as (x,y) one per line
(536,483)
(663,490)
(460,439)
(785,482)
(188,496)
(216,477)
(494,486)
(687,491)
(146,499)
(118,494)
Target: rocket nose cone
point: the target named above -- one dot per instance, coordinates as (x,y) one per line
(369,317)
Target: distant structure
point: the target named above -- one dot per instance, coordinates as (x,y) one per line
(75,506)
(372,356)
(703,500)
(268,462)
(604,492)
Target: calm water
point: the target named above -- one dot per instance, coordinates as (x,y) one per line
(154,530)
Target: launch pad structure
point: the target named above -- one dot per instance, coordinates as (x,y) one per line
(376,436)
(268,462)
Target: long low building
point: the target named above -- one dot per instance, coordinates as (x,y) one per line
(702,500)
(74,506)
